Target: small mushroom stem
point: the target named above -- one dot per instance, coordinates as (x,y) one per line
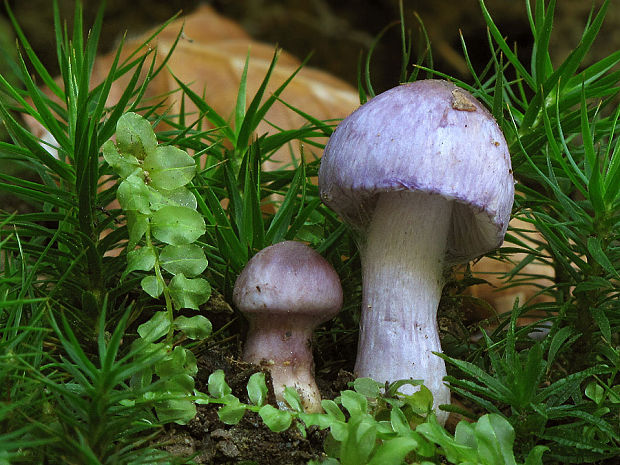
(402,271)
(290,363)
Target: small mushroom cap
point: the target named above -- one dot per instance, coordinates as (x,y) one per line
(429,136)
(289,278)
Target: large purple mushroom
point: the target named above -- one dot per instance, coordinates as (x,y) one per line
(422,172)
(285,291)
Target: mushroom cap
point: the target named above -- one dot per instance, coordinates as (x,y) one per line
(429,136)
(289,279)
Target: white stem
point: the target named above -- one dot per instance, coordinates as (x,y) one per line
(402,268)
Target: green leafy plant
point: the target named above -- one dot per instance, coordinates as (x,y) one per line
(67,194)
(21,337)
(51,381)
(158,206)
(368,427)
(163,226)
(101,416)
(556,411)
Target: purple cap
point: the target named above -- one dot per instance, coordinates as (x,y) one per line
(289,279)
(428,136)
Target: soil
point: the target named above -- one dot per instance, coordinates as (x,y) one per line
(210,441)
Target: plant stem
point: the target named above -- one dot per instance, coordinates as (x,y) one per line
(160,278)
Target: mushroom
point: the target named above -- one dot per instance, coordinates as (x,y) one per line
(422,172)
(285,291)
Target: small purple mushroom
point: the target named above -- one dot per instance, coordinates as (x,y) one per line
(285,291)
(422,172)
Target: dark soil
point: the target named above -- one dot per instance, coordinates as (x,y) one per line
(212,442)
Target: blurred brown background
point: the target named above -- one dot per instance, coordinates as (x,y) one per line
(337,31)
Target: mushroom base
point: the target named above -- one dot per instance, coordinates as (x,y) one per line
(290,360)
(402,270)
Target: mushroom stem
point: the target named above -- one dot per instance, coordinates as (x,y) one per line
(291,363)
(402,266)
